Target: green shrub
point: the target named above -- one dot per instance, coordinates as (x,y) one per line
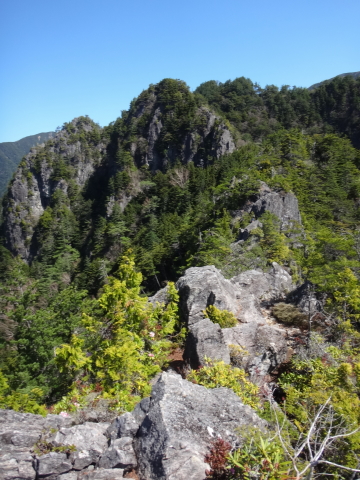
(216,374)
(289,314)
(19,401)
(224,318)
(124,346)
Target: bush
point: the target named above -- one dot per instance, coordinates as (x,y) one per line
(18,401)
(224,318)
(217,374)
(289,315)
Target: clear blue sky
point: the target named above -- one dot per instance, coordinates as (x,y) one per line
(67,58)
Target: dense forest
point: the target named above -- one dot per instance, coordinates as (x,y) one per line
(98,219)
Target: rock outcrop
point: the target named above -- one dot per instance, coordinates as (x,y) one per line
(266,343)
(284,205)
(204,286)
(46,169)
(208,136)
(166,437)
(180,422)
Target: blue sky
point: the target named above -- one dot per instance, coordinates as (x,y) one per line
(63,59)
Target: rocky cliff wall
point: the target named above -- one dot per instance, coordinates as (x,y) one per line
(69,158)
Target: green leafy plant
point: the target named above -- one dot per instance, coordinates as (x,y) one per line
(44,447)
(224,318)
(260,458)
(218,374)
(126,344)
(19,401)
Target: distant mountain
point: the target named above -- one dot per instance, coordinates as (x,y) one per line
(351,74)
(11,154)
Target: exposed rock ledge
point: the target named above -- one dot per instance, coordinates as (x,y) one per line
(166,437)
(247,296)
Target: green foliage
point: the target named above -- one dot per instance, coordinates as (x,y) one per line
(289,314)
(185,215)
(259,457)
(224,318)
(44,447)
(216,374)
(126,344)
(19,401)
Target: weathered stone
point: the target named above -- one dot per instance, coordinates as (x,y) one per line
(246,232)
(284,205)
(160,297)
(256,289)
(17,466)
(123,426)
(246,295)
(102,474)
(267,347)
(53,463)
(89,436)
(204,286)
(82,459)
(30,195)
(68,476)
(120,454)
(205,339)
(181,421)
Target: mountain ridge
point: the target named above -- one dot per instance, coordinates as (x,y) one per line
(239,208)
(354,75)
(11,154)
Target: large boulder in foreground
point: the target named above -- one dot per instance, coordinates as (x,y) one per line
(179,421)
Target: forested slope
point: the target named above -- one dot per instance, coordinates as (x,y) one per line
(11,154)
(100,218)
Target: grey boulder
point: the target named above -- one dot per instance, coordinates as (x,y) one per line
(89,437)
(204,286)
(101,474)
(284,205)
(120,454)
(205,339)
(266,347)
(53,463)
(17,467)
(256,289)
(181,421)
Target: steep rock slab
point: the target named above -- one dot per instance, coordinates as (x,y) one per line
(182,418)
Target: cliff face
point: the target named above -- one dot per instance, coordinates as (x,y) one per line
(170,127)
(62,163)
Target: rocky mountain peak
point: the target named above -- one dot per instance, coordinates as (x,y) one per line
(68,159)
(170,126)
